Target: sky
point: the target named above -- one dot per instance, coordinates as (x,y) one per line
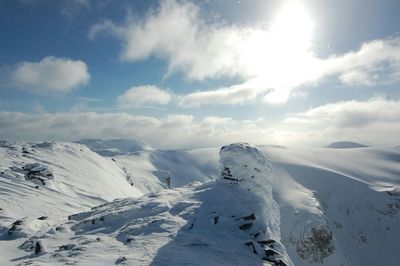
(189,74)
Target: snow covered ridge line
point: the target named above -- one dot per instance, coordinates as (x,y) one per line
(115,147)
(249,171)
(233,220)
(268,206)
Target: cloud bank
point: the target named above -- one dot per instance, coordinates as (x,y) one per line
(374,121)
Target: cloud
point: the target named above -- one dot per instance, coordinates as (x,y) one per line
(270,58)
(140,96)
(51,74)
(351,114)
(173,131)
(373,121)
(236,94)
(376,62)
(198,50)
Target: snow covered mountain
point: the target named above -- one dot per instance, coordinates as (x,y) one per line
(239,205)
(346,145)
(114,147)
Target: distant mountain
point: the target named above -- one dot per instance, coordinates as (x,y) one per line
(115,147)
(346,145)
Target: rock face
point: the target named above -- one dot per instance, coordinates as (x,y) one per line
(38,173)
(248,170)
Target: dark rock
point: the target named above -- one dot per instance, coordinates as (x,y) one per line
(251,245)
(245,227)
(39,172)
(216,219)
(38,248)
(120,260)
(14,226)
(316,246)
(42,218)
(249,217)
(270,252)
(266,242)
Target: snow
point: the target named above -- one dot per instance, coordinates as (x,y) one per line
(114,147)
(238,205)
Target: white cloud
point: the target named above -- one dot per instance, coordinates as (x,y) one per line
(376,62)
(351,114)
(140,96)
(173,131)
(236,94)
(175,32)
(373,121)
(270,58)
(51,74)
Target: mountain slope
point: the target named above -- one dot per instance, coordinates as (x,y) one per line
(345,145)
(114,147)
(233,220)
(353,194)
(269,205)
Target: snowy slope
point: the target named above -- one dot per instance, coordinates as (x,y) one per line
(73,178)
(115,147)
(149,170)
(354,194)
(231,221)
(272,205)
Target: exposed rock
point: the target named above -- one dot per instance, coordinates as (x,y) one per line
(39,248)
(37,172)
(216,219)
(120,260)
(245,227)
(14,226)
(249,217)
(317,246)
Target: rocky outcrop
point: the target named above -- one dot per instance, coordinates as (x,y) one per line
(38,173)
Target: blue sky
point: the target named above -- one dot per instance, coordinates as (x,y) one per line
(183,74)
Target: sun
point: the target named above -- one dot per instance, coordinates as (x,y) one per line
(279,56)
(292,28)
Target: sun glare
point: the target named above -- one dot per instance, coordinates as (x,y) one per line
(279,56)
(292,28)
